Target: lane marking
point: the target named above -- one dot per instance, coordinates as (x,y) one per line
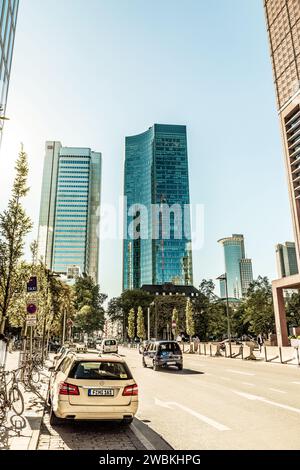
(240,372)
(297,383)
(248,383)
(276,390)
(203,418)
(269,402)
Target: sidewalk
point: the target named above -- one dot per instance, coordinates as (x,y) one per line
(33,413)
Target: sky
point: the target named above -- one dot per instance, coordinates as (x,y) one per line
(89,73)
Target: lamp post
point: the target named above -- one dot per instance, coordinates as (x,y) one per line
(148,320)
(223,277)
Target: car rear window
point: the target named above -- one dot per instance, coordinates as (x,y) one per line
(110,342)
(96,370)
(169,347)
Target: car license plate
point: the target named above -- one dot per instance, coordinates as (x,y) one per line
(171,363)
(100,392)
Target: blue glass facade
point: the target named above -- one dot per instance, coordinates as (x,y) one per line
(238,268)
(8,21)
(156,178)
(69,214)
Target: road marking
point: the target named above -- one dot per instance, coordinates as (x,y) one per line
(276,390)
(205,419)
(297,383)
(269,402)
(240,372)
(248,383)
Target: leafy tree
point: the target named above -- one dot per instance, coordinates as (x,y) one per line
(293,309)
(131,324)
(89,305)
(190,324)
(259,311)
(175,319)
(141,332)
(14,226)
(204,308)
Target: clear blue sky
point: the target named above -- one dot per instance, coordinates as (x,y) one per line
(88,73)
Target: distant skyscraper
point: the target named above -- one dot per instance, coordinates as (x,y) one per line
(9,13)
(286,259)
(237,267)
(156,173)
(69,212)
(283,25)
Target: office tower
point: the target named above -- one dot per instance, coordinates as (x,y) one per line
(238,268)
(9,13)
(156,187)
(68,239)
(286,259)
(283,25)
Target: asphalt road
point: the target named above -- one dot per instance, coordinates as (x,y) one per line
(219,403)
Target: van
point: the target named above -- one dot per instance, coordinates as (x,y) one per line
(108,346)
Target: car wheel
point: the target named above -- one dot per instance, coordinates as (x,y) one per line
(127,421)
(155,366)
(54,420)
(144,363)
(179,366)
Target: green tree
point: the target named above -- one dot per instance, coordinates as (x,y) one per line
(141,332)
(175,319)
(89,305)
(259,310)
(131,324)
(14,226)
(189,315)
(293,309)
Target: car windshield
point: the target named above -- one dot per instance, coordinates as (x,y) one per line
(169,347)
(110,342)
(95,370)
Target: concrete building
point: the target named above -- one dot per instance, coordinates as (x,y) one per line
(283,25)
(69,210)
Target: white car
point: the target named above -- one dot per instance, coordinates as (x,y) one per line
(91,387)
(108,346)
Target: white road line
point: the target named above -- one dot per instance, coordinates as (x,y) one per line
(269,402)
(248,383)
(203,418)
(276,390)
(240,372)
(297,383)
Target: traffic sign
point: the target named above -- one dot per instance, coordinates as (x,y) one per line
(32,284)
(31,308)
(31,319)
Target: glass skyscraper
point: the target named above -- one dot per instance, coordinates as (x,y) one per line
(69,214)
(156,188)
(286,258)
(9,13)
(238,268)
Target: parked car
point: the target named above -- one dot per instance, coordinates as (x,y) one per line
(108,346)
(162,354)
(89,387)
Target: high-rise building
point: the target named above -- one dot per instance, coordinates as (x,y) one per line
(69,211)
(8,21)
(283,25)
(238,268)
(286,259)
(156,187)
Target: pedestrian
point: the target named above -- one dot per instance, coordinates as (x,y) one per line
(260,340)
(3,349)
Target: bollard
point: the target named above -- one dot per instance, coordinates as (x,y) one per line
(204,349)
(199,349)
(266,357)
(210,351)
(280,354)
(298,356)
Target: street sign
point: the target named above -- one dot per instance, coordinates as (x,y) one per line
(32,284)
(31,308)
(31,319)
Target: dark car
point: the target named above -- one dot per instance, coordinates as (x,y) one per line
(162,354)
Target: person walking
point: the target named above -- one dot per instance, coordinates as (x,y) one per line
(260,340)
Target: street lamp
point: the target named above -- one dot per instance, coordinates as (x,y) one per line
(223,277)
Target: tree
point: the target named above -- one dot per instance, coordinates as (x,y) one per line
(141,332)
(175,319)
(131,324)
(293,309)
(14,226)
(259,310)
(89,305)
(189,314)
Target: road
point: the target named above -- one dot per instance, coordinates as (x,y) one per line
(219,403)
